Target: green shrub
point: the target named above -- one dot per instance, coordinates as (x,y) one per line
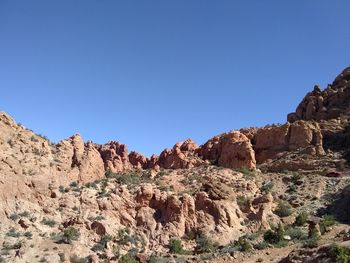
(340,254)
(128,258)
(14,217)
(296,233)
(327,221)
(261,245)
(24,214)
(91,185)
(62,189)
(96,218)
(283,209)
(243,245)
(301,219)
(70,234)
(48,222)
(243,202)
(73,184)
(311,242)
(274,236)
(123,235)
(97,247)
(28,235)
(76,259)
(175,246)
(267,187)
(247,173)
(205,244)
(13,233)
(296,178)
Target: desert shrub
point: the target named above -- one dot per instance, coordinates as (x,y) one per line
(130,179)
(283,209)
(96,218)
(340,254)
(205,244)
(311,242)
(249,174)
(128,258)
(254,235)
(102,243)
(267,187)
(242,245)
(175,246)
(70,234)
(123,235)
(327,221)
(73,184)
(24,214)
(261,245)
(28,235)
(48,222)
(14,217)
(91,185)
(243,202)
(62,189)
(110,174)
(76,259)
(13,233)
(296,233)
(97,247)
(274,236)
(295,179)
(301,219)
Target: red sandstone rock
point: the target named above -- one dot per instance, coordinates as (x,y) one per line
(231,150)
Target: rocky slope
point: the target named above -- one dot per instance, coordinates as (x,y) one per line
(236,198)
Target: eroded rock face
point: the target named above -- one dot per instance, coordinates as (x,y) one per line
(181,156)
(273,140)
(231,150)
(115,156)
(327,104)
(82,162)
(179,215)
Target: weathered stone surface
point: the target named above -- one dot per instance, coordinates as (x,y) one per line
(231,150)
(327,104)
(272,140)
(82,162)
(181,156)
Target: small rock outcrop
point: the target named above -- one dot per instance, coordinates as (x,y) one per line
(81,161)
(181,156)
(327,104)
(231,150)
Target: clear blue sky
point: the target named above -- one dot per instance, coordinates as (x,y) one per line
(150,73)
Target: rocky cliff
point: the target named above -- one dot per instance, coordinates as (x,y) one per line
(78,201)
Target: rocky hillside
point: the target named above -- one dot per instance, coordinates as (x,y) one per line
(278,193)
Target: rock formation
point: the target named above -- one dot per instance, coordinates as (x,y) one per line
(83,202)
(327,104)
(231,150)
